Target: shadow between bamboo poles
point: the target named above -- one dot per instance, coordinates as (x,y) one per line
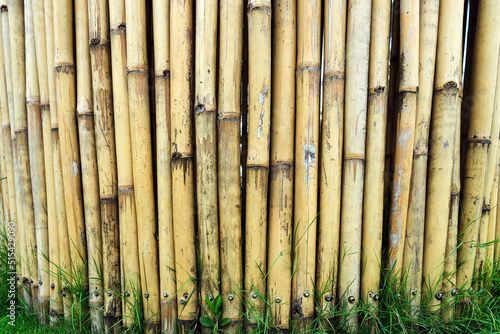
(279,257)
(130,278)
(373,202)
(206,149)
(479,135)
(331,157)
(257,164)
(161,29)
(231,260)
(142,160)
(414,239)
(356,98)
(442,140)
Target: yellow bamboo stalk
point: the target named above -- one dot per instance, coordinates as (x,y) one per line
(6,154)
(126,210)
(257,164)
(16,25)
(356,101)
(492,225)
(279,257)
(373,202)
(479,134)
(161,29)
(230,57)
(137,74)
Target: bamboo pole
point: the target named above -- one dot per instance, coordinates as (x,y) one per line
(161,28)
(181,40)
(16,25)
(479,134)
(99,34)
(356,101)
(443,123)
(492,225)
(137,74)
(373,202)
(206,148)
(414,240)
(126,210)
(279,256)
(6,156)
(257,164)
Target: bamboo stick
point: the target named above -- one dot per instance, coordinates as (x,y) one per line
(279,256)
(443,123)
(6,155)
(257,164)
(373,202)
(142,159)
(206,148)
(181,40)
(356,98)
(161,28)
(16,25)
(479,134)
(106,156)
(492,222)
(126,210)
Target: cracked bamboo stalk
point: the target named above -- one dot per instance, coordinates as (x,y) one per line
(16,25)
(257,164)
(100,55)
(414,241)
(142,159)
(373,202)
(206,148)
(355,113)
(161,28)
(441,146)
(130,278)
(181,47)
(407,107)
(482,88)
(279,256)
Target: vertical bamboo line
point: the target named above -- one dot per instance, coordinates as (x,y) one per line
(373,202)
(161,29)
(6,155)
(492,225)
(229,118)
(137,74)
(126,199)
(279,256)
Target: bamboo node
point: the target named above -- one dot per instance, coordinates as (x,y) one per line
(476,140)
(4,8)
(486,208)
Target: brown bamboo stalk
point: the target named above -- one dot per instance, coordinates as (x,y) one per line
(126,210)
(479,134)
(161,28)
(373,202)
(279,257)
(206,148)
(257,164)
(137,74)
(356,101)
(98,22)
(181,40)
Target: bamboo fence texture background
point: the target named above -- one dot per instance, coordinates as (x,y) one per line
(282,155)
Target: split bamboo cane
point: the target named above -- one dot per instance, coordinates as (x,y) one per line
(407,107)
(443,125)
(181,46)
(414,240)
(279,257)
(355,114)
(16,25)
(479,134)
(127,216)
(206,148)
(98,22)
(257,164)
(161,28)
(68,140)
(142,159)
(373,202)
(229,118)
